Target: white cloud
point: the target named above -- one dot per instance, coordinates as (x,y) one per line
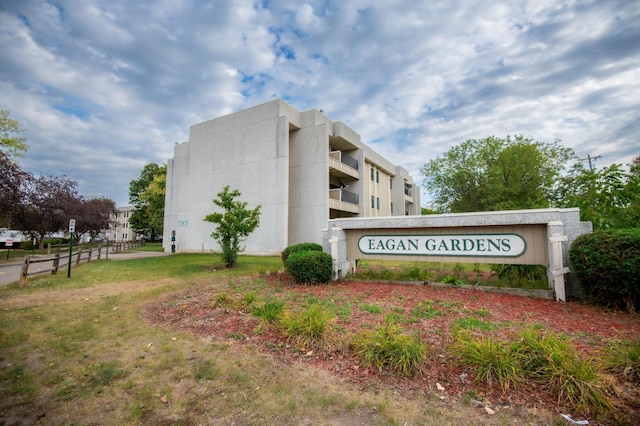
(114,84)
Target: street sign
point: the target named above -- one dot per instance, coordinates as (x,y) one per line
(9,242)
(72,225)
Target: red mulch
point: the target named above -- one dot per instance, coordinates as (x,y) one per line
(590,328)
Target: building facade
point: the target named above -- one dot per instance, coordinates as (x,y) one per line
(300,167)
(120,230)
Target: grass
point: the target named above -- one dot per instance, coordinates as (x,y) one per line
(540,356)
(492,361)
(388,347)
(310,328)
(449,273)
(80,350)
(80,360)
(623,359)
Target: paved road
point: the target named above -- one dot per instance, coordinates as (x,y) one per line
(10,272)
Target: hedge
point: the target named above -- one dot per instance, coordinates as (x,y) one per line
(288,251)
(309,266)
(607,265)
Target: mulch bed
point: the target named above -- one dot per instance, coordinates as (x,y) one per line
(590,327)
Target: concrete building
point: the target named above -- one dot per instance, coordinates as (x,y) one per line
(301,167)
(120,230)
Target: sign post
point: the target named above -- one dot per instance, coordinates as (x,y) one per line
(8,244)
(72,229)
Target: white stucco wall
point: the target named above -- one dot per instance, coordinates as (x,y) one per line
(251,158)
(278,158)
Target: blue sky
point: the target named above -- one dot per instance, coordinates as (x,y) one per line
(105,87)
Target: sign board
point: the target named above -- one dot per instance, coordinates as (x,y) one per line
(72,225)
(488,245)
(8,242)
(107,235)
(183,223)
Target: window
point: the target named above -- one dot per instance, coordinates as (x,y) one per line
(373,202)
(390,183)
(391,208)
(377,176)
(372,172)
(378,203)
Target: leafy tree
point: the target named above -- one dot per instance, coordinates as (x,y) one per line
(495,174)
(11,143)
(93,215)
(147,195)
(609,198)
(47,205)
(12,179)
(425,211)
(232,226)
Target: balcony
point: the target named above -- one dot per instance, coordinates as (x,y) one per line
(346,201)
(408,192)
(343,165)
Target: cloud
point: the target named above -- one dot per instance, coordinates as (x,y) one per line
(105,88)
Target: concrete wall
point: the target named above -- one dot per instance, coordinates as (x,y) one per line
(251,157)
(278,158)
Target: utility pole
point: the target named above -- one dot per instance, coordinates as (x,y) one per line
(589,158)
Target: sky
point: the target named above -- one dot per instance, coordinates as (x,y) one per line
(105,87)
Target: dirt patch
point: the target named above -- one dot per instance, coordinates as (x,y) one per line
(44,297)
(364,306)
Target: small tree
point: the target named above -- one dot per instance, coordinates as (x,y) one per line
(234,225)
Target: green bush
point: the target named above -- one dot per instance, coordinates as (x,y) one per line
(288,251)
(309,266)
(607,265)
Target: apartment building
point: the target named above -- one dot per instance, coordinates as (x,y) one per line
(300,167)
(120,230)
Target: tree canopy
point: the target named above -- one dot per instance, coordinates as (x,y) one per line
(46,206)
(12,180)
(608,197)
(495,174)
(11,143)
(233,225)
(147,194)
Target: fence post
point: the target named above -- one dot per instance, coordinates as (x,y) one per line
(89,258)
(78,258)
(56,264)
(99,251)
(49,248)
(25,271)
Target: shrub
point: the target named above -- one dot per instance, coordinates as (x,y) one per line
(288,251)
(310,266)
(607,265)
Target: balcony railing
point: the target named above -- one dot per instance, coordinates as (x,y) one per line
(344,159)
(344,196)
(349,161)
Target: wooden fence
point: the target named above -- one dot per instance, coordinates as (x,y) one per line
(53,263)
